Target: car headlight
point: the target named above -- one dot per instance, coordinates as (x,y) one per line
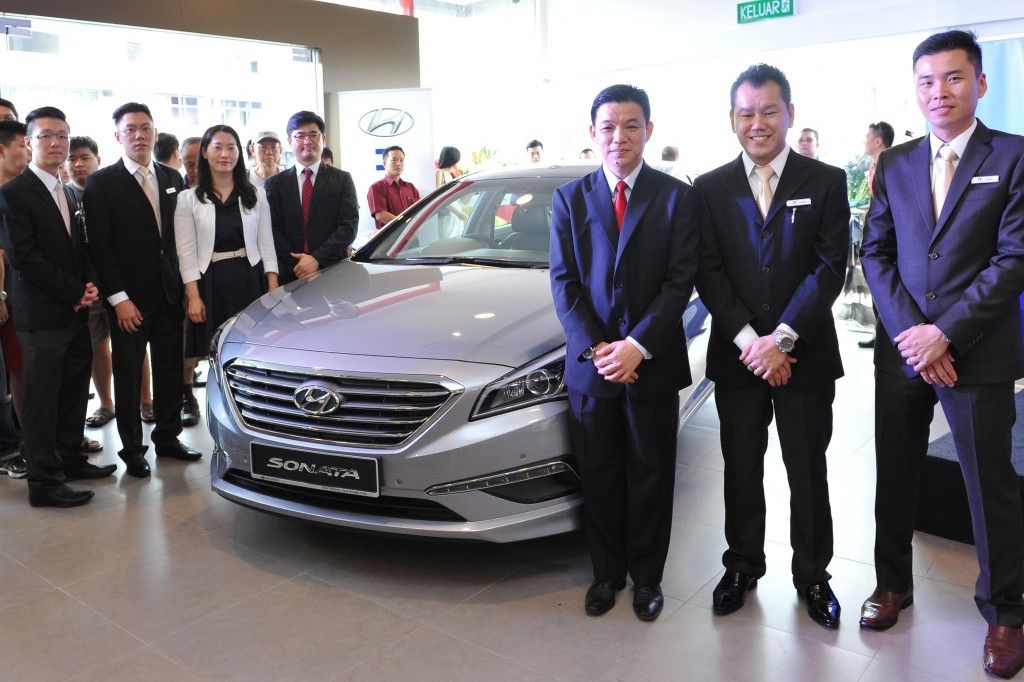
(540,381)
(214,355)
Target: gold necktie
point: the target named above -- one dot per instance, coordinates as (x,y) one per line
(62,203)
(764,200)
(148,191)
(943,177)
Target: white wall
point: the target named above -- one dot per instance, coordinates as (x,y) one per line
(499,81)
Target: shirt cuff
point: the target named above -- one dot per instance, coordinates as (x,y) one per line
(789,330)
(746,335)
(117,298)
(636,344)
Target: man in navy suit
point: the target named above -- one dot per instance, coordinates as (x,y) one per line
(774,235)
(42,234)
(130,208)
(623,261)
(310,239)
(946,268)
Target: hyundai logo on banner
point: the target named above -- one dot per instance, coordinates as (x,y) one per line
(386,122)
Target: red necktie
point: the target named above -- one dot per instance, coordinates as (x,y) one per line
(307,197)
(620,202)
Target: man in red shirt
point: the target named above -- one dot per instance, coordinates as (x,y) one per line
(391,195)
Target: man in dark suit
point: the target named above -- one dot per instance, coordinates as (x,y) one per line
(946,267)
(773,258)
(623,261)
(43,237)
(130,207)
(314,232)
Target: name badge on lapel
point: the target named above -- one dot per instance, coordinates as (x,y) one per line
(171,190)
(984,179)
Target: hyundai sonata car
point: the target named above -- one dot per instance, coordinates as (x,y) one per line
(417,387)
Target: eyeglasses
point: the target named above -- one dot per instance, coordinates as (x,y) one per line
(132,131)
(49,137)
(302,137)
(806,139)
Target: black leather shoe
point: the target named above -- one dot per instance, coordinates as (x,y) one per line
(178,451)
(728,595)
(647,601)
(137,466)
(870,343)
(822,605)
(81,470)
(58,496)
(190,412)
(601,597)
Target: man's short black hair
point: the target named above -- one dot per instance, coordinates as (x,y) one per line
(43,112)
(10,105)
(384,154)
(757,75)
(621,93)
(535,143)
(327,154)
(83,141)
(131,108)
(952,40)
(301,118)
(9,130)
(884,131)
(165,146)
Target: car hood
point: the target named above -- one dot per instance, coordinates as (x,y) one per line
(501,316)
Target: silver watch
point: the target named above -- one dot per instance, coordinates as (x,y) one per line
(783,340)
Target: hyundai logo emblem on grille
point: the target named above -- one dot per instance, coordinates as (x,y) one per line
(386,122)
(317,398)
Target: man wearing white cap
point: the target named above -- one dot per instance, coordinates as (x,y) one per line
(265,151)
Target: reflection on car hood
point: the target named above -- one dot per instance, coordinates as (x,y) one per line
(465,313)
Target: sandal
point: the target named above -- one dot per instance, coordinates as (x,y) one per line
(89,446)
(146,410)
(101,417)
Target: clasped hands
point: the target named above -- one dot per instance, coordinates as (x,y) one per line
(763,357)
(927,350)
(88,297)
(617,361)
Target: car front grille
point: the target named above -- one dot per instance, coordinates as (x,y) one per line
(376,412)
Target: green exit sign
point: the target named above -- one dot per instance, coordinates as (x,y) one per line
(758,10)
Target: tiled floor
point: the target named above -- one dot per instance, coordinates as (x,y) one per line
(160,579)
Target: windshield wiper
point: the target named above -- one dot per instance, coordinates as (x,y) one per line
(464,260)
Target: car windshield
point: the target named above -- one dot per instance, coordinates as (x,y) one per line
(502,222)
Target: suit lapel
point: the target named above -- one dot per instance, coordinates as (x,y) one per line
(738,185)
(134,190)
(320,187)
(977,150)
(793,177)
(291,201)
(639,201)
(921,178)
(44,195)
(599,202)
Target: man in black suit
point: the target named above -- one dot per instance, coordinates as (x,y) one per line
(944,257)
(130,207)
(43,237)
(773,258)
(623,261)
(314,233)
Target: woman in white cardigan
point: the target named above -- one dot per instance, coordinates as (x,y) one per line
(225,243)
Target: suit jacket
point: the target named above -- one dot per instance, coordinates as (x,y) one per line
(130,253)
(50,268)
(784,268)
(963,272)
(609,285)
(333,217)
(195,232)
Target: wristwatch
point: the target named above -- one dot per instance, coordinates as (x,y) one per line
(588,354)
(783,340)
(3,295)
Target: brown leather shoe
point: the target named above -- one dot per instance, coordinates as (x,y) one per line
(1004,651)
(882,609)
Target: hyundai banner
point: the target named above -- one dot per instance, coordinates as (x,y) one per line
(373,120)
